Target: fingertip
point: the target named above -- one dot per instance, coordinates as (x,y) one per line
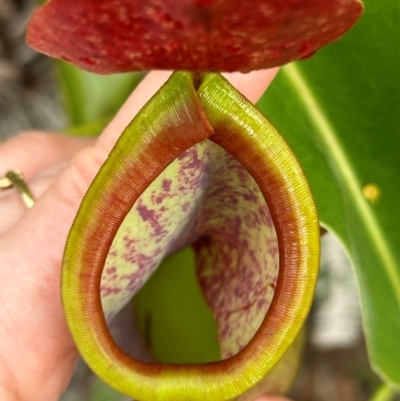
(252,84)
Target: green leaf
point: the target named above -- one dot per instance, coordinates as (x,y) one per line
(339,111)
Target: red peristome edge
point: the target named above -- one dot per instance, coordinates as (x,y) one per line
(195,35)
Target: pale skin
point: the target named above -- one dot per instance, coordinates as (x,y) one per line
(37,354)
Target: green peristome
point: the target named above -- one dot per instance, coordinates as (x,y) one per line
(173,120)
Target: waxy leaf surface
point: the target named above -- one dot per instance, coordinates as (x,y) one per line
(108,36)
(340,113)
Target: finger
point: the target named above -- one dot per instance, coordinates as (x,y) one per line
(53,214)
(34,151)
(34,271)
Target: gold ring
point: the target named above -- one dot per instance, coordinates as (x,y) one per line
(16,179)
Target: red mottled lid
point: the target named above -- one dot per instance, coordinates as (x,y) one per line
(109,36)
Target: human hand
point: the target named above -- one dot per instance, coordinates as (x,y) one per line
(37,354)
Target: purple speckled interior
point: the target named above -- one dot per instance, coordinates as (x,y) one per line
(205,198)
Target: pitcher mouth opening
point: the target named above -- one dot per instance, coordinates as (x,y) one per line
(226,222)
